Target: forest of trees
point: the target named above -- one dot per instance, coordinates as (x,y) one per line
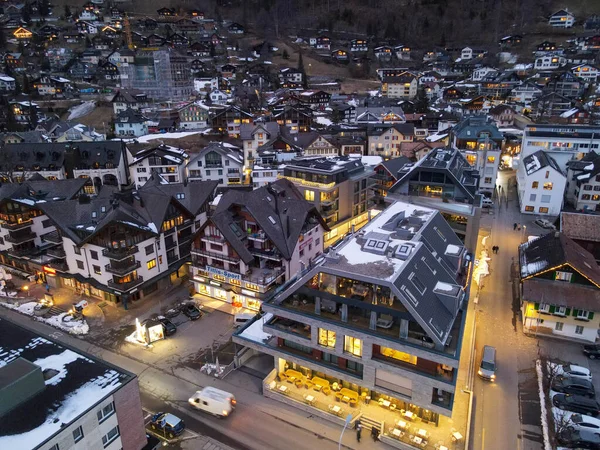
(413,22)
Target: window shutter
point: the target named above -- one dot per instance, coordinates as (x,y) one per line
(552,309)
(591,315)
(568,312)
(575,312)
(536,306)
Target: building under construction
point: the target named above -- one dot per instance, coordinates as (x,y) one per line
(161,74)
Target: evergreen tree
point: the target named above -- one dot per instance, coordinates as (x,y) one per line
(68,13)
(300,62)
(2,38)
(26,85)
(421,101)
(33,116)
(43,8)
(26,13)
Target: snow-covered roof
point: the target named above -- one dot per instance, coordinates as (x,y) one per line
(254,332)
(73,384)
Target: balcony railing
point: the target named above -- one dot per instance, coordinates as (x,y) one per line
(219,239)
(56,252)
(261,236)
(119,254)
(214,165)
(28,251)
(17,226)
(122,269)
(209,254)
(54,237)
(126,285)
(20,238)
(269,254)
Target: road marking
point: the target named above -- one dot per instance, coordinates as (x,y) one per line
(482,438)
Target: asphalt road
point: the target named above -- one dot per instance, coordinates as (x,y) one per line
(504,415)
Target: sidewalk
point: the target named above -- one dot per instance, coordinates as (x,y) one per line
(255,419)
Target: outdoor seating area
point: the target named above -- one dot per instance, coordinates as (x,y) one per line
(401,421)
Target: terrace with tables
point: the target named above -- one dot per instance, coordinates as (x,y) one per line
(398,421)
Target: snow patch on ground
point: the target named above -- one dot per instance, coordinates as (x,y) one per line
(81,110)
(540,378)
(323,121)
(215,369)
(483,269)
(70,325)
(25,308)
(178,135)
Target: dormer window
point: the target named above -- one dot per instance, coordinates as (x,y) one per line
(180,196)
(94,214)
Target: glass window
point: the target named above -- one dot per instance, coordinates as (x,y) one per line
(534,185)
(309,195)
(532,197)
(106,412)
(578,329)
(94,254)
(583,314)
(149,249)
(543,210)
(559,326)
(80,264)
(546,198)
(529,208)
(563,276)
(151,264)
(548,186)
(110,436)
(353,345)
(77,250)
(326,337)
(78,433)
(397,354)
(97,270)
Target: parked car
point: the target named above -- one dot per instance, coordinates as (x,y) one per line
(545,224)
(167,424)
(576,421)
(169,326)
(592,351)
(572,385)
(191,311)
(579,438)
(577,403)
(573,371)
(487,202)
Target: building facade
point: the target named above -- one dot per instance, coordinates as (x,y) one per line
(541,184)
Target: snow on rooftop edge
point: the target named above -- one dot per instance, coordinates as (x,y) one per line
(255,331)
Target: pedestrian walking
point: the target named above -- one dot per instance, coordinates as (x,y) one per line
(497,249)
(358,431)
(374,434)
(514,226)
(47,287)
(519,227)
(494,249)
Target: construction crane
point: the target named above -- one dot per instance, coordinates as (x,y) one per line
(127,27)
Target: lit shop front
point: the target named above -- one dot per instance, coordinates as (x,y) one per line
(226,286)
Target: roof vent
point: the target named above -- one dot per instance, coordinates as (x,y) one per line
(403,251)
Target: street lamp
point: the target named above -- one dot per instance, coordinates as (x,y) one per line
(346,423)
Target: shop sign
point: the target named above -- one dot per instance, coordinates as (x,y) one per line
(247,292)
(223,273)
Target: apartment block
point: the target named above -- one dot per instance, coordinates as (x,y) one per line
(56,397)
(255,241)
(380,317)
(339,187)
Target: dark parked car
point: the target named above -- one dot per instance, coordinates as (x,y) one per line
(579,438)
(592,351)
(577,403)
(191,311)
(573,385)
(169,327)
(167,424)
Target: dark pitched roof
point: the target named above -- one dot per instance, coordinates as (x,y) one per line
(395,164)
(407,129)
(554,250)
(38,189)
(585,227)
(539,160)
(172,154)
(279,210)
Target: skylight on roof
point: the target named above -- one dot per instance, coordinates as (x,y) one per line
(272,220)
(236,229)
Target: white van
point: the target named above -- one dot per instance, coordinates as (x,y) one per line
(487,202)
(241,319)
(213,401)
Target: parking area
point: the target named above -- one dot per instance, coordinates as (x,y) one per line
(162,434)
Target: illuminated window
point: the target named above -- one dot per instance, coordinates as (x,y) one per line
(534,185)
(353,345)
(309,195)
(543,210)
(491,159)
(326,337)
(400,356)
(547,186)
(529,208)
(151,264)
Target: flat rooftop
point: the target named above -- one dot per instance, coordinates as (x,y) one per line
(74,383)
(373,251)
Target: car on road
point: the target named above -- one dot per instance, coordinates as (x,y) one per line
(576,421)
(592,351)
(579,438)
(572,385)
(191,311)
(214,401)
(167,424)
(577,403)
(544,224)
(573,371)
(169,326)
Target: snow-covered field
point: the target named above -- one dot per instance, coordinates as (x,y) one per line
(61,321)
(177,135)
(81,110)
